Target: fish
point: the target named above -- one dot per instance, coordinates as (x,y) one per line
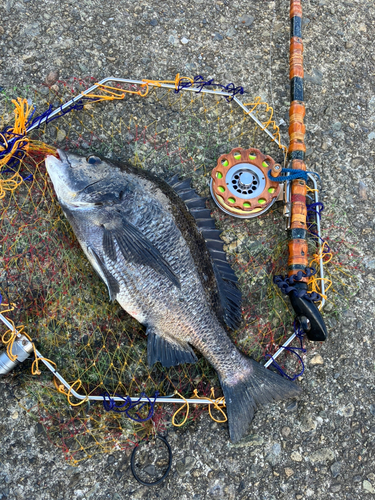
(157,249)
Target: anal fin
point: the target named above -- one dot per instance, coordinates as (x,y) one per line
(169,352)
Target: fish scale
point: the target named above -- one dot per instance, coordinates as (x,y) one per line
(152,254)
(170,310)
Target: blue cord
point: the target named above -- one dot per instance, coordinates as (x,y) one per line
(293,175)
(78,105)
(317,208)
(201,83)
(299,333)
(286,284)
(109,404)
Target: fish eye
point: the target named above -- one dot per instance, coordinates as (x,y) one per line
(93,160)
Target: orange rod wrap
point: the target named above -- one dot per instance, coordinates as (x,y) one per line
(298,255)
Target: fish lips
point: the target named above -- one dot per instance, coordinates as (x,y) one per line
(66,186)
(57,163)
(63,156)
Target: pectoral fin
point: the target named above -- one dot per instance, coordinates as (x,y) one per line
(109,280)
(135,247)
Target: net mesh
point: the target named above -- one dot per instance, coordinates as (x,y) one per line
(64,305)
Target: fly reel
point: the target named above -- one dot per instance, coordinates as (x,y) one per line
(240,184)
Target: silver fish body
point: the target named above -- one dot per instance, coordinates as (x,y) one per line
(165,270)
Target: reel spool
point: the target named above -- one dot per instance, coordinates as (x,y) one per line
(240,184)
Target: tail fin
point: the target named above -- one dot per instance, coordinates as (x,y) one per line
(259,387)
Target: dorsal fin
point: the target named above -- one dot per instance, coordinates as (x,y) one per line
(200,213)
(230,296)
(181,185)
(196,202)
(187,194)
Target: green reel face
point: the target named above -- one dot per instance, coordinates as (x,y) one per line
(240,184)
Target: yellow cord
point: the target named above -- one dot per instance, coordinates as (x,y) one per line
(117,93)
(61,389)
(314,282)
(69,392)
(22,110)
(218,404)
(10,306)
(13,336)
(276,136)
(9,184)
(35,365)
(8,342)
(176,81)
(180,409)
(9,347)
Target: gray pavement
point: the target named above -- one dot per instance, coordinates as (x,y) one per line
(323,446)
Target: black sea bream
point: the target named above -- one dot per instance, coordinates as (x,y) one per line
(156,248)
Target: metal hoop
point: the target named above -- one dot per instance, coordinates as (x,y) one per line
(165,473)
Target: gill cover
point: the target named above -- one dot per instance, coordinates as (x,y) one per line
(74,177)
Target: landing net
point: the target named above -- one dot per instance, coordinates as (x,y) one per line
(64,306)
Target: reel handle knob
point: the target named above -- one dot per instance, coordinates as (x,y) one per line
(276,170)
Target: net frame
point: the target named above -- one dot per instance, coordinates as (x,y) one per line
(183,84)
(172,87)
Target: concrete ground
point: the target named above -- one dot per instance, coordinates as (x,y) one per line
(322,446)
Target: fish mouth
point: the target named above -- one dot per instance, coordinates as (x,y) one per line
(58,168)
(53,160)
(62,156)
(56,165)
(59,158)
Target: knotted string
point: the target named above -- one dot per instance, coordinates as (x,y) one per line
(299,334)
(110,404)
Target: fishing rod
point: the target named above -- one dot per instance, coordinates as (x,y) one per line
(246,183)
(307,312)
